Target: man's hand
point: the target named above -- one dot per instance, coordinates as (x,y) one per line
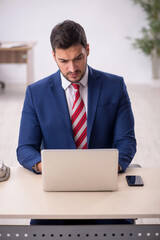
(119,168)
(39,166)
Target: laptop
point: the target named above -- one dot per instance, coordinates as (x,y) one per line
(79,170)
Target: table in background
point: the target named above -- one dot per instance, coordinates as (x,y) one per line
(22,53)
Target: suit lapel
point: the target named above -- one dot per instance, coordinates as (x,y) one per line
(94,86)
(60,100)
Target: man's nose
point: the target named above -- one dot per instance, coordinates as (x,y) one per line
(71,66)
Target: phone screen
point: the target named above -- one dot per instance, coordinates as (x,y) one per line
(134,180)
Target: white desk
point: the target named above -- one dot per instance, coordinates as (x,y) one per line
(22,197)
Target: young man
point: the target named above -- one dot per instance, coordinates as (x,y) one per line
(48,107)
(76,107)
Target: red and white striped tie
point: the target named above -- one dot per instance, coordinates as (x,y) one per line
(79,120)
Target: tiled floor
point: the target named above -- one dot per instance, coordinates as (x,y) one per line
(146,107)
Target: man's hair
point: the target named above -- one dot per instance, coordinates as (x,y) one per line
(66,34)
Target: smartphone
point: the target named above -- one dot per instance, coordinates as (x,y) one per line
(134,180)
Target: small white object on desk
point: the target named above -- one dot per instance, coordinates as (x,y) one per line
(4,172)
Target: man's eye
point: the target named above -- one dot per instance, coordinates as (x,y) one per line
(63,61)
(79,58)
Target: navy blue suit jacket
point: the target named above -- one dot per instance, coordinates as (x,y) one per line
(45,121)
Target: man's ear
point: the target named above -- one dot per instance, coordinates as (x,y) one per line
(54,55)
(87,49)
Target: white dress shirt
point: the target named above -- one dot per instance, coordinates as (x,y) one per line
(70,91)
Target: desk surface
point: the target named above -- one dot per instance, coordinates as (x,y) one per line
(22,197)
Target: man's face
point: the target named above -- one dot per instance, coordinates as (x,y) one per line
(72,61)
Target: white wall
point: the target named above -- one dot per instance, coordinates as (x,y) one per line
(107,24)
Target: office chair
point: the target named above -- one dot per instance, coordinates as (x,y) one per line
(2,84)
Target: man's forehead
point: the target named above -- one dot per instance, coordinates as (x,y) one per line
(69,53)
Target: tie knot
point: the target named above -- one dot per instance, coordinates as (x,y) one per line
(76,86)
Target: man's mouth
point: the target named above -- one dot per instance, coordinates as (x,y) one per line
(73,74)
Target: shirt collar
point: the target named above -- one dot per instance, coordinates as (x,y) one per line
(66,83)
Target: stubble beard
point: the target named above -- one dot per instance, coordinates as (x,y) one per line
(76,81)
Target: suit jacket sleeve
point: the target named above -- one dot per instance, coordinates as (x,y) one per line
(30,136)
(124,136)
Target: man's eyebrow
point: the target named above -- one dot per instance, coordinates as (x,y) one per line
(62,59)
(81,54)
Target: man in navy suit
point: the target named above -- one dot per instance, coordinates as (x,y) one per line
(45,122)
